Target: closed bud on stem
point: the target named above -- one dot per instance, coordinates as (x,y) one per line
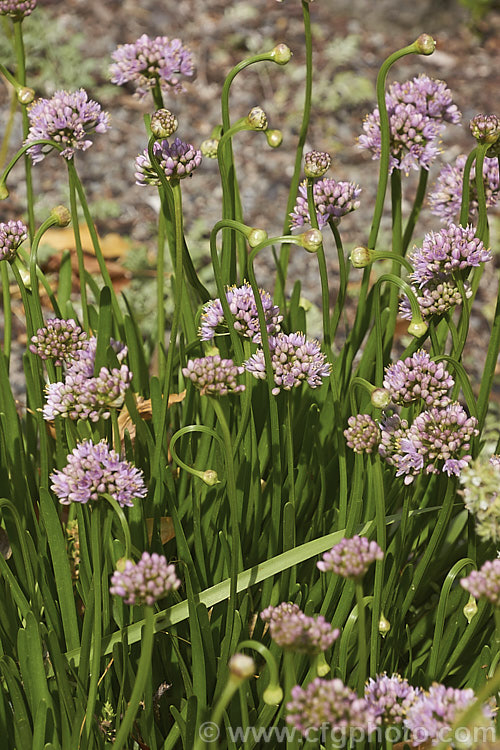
(25,95)
(163,123)
(316,163)
(273,695)
(256,236)
(485,128)
(210,477)
(380,398)
(4,191)
(209,148)
(417,327)
(281,54)
(361,257)
(274,138)
(121,564)
(241,667)
(62,215)
(257,119)
(383,625)
(470,609)
(322,668)
(311,240)
(425,44)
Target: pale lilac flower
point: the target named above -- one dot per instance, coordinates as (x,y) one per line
(329,702)
(93,470)
(453,248)
(148,62)
(332,200)
(351,558)
(397,450)
(291,629)
(390,697)
(363,433)
(241,301)
(445,199)
(12,235)
(18,9)
(146,581)
(485,583)
(59,340)
(418,377)
(67,118)
(214,376)
(294,359)
(481,491)
(485,128)
(417,112)
(177,161)
(433,713)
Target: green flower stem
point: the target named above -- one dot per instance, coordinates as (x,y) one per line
(361,677)
(95,242)
(397,230)
(21,77)
(415,211)
(7,312)
(289,449)
(188,430)
(160,292)
(482,221)
(387,255)
(464,208)
(358,382)
(79,250)
(118,510)
(143,671)
(21,152)
(294,184)
(4,147)
(51,221)
(323,273)
(25,256)
(96,548)
(274,680)
(290,682)
(157,96)
(344,277)
(377,485)
(266,56)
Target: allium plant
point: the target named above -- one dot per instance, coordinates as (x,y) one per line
(357,502)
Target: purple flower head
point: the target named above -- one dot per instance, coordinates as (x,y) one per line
(363,433)
(59,340)
(390,697)
(485,128)
(241,301)
(453,248)
(316,163)
(93,470)
(146,581)
(332,200)
(485,583)
(418,377)
(148,62)
(291,629)
(12,234)
(435,297)
(417,112)
(18,9)
(294,359)
(433,713)
(177,161)
(351,558)
(445,200)
(67,118)
(329,702)
(84,396)
(214,376)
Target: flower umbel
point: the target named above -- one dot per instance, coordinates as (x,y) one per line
(67,118)
(12,235)
(18,9)
(332,200)
(241,301)
(214,376)
(485,583)
(146,581)
(59,340)
(390,697)
(291,629)
(93,470)
(418,377)
(481,481)
(177,160)
(351,558)
(445,199)
(363,433)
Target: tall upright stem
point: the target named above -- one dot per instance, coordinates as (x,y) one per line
(21,77)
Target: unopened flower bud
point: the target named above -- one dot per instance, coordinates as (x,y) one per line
(311,240)
(241,666)
(281,54)
(425,44)
(361,257)
(273,695)
(121,564)
(256,236)
(210,477)
(470,609)
(417,327)
(209,148)
(62,215)
(4,191)
(322,668)
(383,625)
(485,128)
(25,95)
(163,123)
(380,398)
(316,163)
(257,119)
(274,138)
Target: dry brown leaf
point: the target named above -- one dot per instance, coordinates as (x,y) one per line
(144,408)
(113,245)
(166,529)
